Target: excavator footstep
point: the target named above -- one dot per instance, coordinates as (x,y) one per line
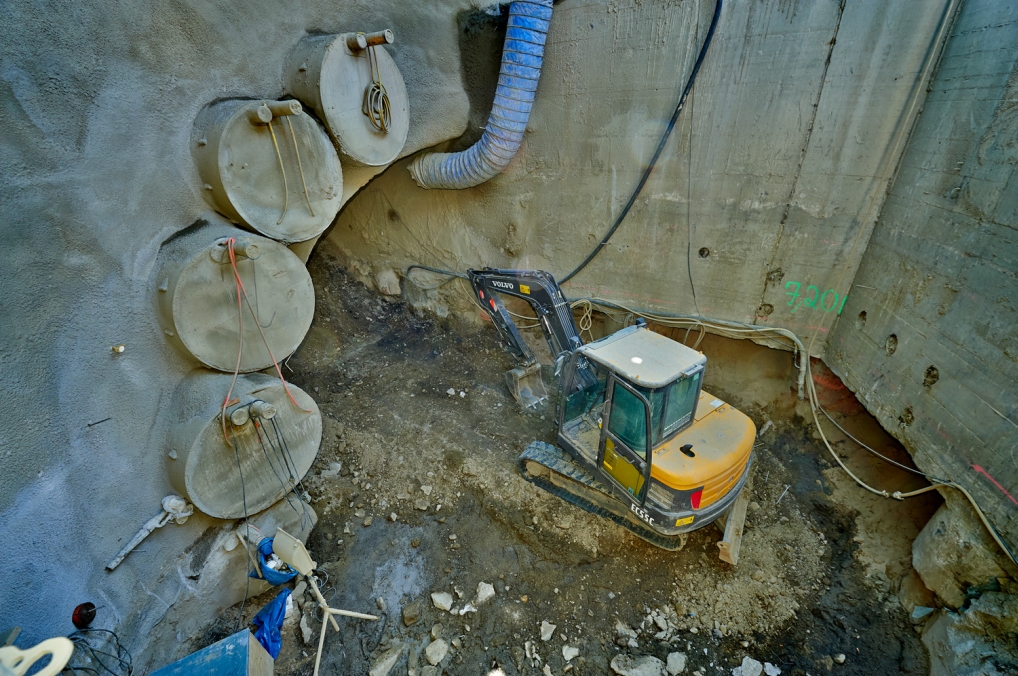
(551,468)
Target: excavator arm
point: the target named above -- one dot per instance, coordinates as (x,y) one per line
(554,315)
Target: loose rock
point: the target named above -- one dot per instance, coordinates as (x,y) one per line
(436,651)
(426,490)
(676,663)
(442,600)
(840,658)
(305,630)
(749,667)
(367,522)
(568,652)
(771,670)
(547,630)
(411,613)
(624,665)
(384,664)
(484,593)
(429,671)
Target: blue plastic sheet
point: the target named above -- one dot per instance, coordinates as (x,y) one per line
(269,621)
(273,577)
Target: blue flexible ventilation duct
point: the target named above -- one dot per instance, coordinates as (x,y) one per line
(522,55)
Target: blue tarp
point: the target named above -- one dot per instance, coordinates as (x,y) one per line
(269,620)
(273,577)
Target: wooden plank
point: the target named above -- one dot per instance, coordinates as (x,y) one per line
(729,546)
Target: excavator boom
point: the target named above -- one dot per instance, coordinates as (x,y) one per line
(555,317)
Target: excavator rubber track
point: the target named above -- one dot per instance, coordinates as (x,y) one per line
(560,475)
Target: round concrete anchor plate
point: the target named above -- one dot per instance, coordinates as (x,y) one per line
(243,180)
(282,301)
(331,78)
(205,468)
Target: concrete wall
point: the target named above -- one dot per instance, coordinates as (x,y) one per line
(97,102)
(776,170)
(941,274)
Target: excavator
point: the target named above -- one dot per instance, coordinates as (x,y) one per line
(639,441)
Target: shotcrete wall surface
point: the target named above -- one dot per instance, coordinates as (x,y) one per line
(98,104)
(941,276)
(767,190)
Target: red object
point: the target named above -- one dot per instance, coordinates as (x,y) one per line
(83,615)
(694,499)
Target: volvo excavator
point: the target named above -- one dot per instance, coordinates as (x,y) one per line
(639,440)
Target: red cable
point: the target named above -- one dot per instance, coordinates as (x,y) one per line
(239,285)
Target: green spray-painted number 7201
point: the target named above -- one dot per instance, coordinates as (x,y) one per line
(826,301)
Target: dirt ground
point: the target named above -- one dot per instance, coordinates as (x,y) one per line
(429,499)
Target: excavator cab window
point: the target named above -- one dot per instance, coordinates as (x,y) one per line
(672,407)
(585,388)
(628,420)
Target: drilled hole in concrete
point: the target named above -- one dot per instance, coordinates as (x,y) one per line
(861,321)
(704,252)
(931,377)
(764,310)
(891,344)
(775,275)
(906,418)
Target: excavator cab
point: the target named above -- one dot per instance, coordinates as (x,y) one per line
(633,408)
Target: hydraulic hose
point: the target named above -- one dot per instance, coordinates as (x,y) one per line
(522,56)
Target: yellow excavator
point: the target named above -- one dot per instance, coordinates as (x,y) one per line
(639,441)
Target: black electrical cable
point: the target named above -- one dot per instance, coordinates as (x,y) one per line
(247,532)
(660,147)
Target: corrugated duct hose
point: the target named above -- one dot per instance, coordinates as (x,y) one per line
(522,56)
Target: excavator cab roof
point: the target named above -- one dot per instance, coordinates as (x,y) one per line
(643,357)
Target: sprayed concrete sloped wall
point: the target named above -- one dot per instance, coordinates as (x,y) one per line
(97,103)
(941,275)
(775,172)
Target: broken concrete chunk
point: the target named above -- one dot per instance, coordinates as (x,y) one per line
(624,630)
(676,663)
(749,667)
(305,629)
(334,469)
(442,600)
(547,630)
(624,665)
(387,282)
(771,670)
(384,664)
(411,612)
(484,593)
(569,652)
(436,651)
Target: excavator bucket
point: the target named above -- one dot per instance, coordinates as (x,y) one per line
(526,385)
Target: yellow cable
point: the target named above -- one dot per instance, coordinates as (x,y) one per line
(286,189)
(300,166)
